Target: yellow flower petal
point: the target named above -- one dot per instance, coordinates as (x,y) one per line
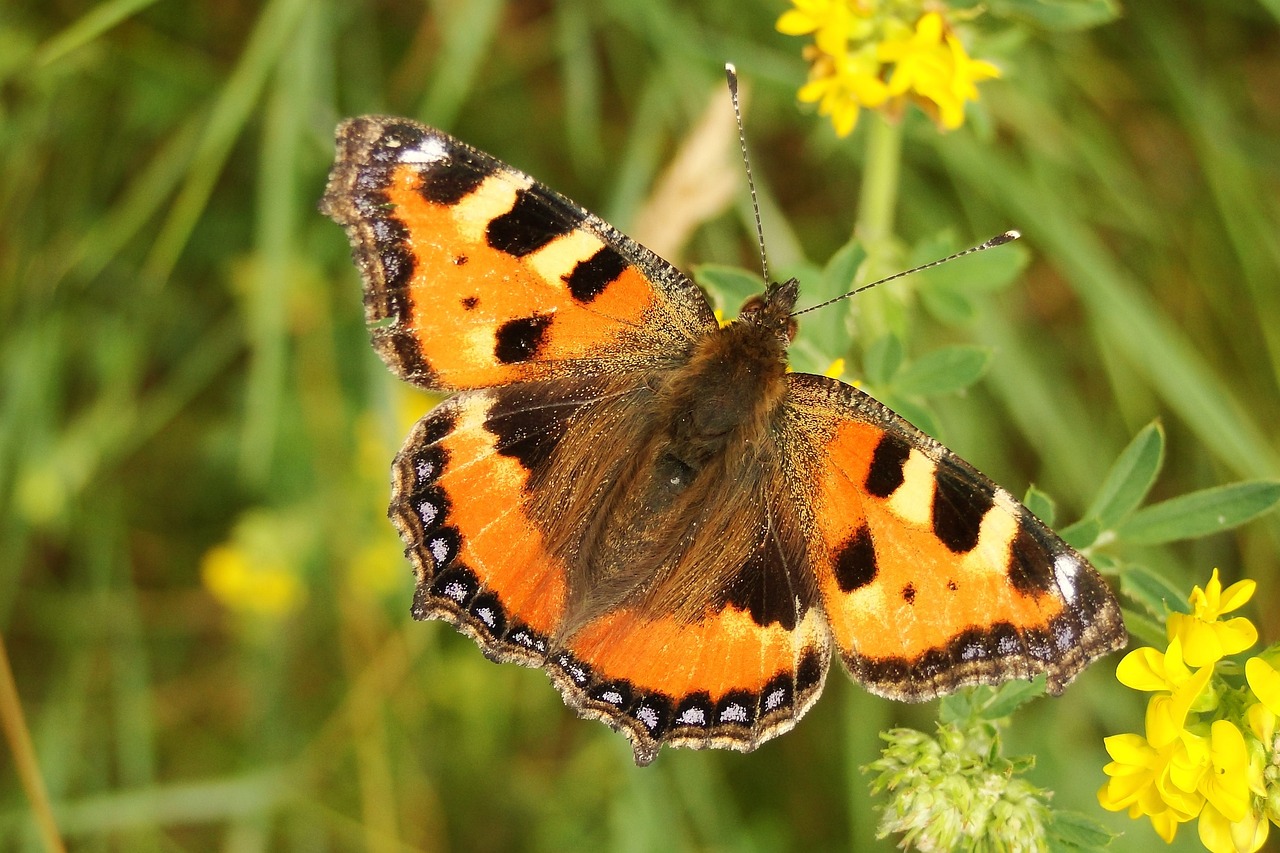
(1226,785)
(1128,748)
(1166,825)
(1207,641)
(1236,635)
(1237,595)
(1143,669)
(1262,722)
(1220,835)
(1264,681)
(793,22)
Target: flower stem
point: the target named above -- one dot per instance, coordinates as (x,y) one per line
(878,200)
(877,313)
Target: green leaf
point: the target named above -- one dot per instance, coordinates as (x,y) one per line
(948,306)
(1130,477)
(1078,831)
(1010,696)
(1200,513)
(1058,14)
(883,359)
(957,707)
(730,285)
(1152,590)
(1082,534)
(943,371)
(1143,628)
(1041,505)
(840,271)
(983,703)
(979,274)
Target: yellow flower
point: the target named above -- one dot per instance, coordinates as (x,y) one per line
(842,85)
(835,369)
(832,22)
(1185,762)
(1206,640)
(935,66)
(1210,747)
(1149,669)
(256,571)
(868,54)
(1159,783)
(249,586)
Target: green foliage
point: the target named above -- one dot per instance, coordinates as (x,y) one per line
(1200,513)
(1070,830)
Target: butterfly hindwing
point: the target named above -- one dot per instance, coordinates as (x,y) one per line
(932,576)
(477,275)
(472,487)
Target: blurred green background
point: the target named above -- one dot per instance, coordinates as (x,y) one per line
(204,607)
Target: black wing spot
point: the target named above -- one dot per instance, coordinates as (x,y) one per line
(909,593)
(809,671)
(531,223)
(885,475)
(525,432)
(460,260)
(959,505)
(470,302)
(855,561)
(1030,562)
(590,277)
(520,339)
(761,589)
(450,179)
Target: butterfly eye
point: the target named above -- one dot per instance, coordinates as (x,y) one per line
(751,307)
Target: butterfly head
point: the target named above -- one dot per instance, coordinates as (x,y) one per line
(772,309)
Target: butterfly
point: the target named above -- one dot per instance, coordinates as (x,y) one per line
(647,504)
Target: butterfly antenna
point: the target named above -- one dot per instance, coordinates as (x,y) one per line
(731,74)
(998,240)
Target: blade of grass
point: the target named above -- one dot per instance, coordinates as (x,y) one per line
(469,29)
(93,24)
(215,800)
(278,197)
(24,756)
(227,118)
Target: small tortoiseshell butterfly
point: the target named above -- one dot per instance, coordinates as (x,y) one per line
(649,505)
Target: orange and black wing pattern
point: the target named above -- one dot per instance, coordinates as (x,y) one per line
(932,576)
(470,497)
(476,275)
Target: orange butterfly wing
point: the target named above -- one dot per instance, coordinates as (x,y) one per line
(932,576)
(477,275)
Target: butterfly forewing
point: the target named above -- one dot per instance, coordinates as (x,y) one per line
(932,576)
(458,247)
